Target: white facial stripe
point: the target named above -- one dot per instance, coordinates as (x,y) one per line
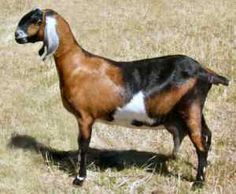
(20,33)
(134,110)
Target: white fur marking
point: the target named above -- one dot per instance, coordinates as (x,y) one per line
(20,34)
(80,178)
(134,110)
(51,39)
(204,169)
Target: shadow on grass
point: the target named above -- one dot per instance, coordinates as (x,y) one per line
(101,158)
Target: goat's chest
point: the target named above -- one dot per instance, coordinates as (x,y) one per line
(67,101)
(96,97)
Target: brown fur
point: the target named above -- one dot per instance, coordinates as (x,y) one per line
(88,83)
(85,125)
(32,29)
(194,123)
(163,103)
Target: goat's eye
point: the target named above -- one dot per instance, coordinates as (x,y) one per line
(36,21)
(39,22)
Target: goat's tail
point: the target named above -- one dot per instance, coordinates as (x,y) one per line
(212,77)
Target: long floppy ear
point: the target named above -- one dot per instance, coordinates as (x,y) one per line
(51,39)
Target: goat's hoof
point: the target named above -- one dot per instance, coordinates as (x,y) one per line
(78,181)
(197,185)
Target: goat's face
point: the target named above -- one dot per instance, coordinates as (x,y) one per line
(29,27)
(38,25)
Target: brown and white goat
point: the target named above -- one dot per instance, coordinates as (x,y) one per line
(169,90)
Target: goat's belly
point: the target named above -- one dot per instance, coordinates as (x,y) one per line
(133,115)
(132,120)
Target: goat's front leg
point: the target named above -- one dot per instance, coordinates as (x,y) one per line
(85,130)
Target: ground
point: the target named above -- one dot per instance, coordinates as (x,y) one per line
(121,160)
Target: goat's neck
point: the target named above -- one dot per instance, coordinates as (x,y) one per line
(67,49)
(67,42)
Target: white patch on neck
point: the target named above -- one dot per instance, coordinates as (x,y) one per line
(51,39)
(134,110)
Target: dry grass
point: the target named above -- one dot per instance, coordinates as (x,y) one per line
(123,30)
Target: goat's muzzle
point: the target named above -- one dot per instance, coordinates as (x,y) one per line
(21,36)
(21,40)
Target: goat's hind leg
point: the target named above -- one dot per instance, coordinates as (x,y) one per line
(178,130)
(206,133)
(197,135)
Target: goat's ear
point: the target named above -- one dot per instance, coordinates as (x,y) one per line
(51,39)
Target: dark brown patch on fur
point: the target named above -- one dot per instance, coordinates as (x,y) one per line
(163,102)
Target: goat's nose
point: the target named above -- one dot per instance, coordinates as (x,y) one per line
(20,33)
(16,33)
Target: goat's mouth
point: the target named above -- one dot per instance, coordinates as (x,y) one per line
(22,40)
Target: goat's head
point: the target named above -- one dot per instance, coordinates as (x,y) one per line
(39,25)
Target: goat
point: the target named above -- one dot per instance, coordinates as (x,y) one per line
(169,90)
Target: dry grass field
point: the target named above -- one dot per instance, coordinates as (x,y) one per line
(121,160)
